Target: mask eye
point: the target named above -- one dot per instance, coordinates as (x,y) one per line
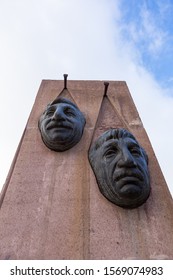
(110,153)
(50,112)
(69,112)
(135,151)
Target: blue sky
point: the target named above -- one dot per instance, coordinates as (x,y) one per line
(90,40)
(148,26)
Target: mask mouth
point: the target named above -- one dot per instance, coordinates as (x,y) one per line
(58,125)
(129,186)
(128,174)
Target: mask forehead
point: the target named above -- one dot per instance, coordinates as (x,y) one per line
(62,105)
(126,141)
(129,142)
(109,143)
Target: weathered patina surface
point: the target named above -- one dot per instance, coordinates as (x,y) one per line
(120,165)
(61,125)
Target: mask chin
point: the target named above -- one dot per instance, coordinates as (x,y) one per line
(130,191)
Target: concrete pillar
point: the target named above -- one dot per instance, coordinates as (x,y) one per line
(51,206)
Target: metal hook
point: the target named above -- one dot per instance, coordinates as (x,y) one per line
(106,84)
(65,81)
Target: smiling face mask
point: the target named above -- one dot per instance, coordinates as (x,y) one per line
(61,125)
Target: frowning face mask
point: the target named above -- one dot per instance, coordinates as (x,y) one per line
(120,165)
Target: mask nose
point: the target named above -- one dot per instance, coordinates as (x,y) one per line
(126,159)
(59,114)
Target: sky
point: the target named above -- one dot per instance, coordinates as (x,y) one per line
(90,40)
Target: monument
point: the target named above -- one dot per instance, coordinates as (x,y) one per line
(85,182)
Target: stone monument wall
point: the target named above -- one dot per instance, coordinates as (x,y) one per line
(51,206)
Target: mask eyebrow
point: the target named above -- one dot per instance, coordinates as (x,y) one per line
(133,145)
(50,108)
(113,143)
(130,142)
(70,108)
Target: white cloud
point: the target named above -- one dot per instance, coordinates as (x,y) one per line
(147,27)
(151,31)
(44,39)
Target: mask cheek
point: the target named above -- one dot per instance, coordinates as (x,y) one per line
(111,168)
(144,170)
